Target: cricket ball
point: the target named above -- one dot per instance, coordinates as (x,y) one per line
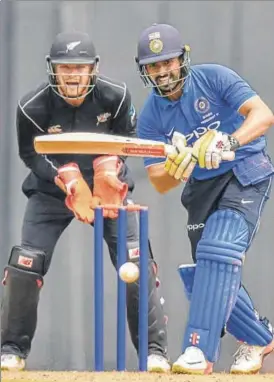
(129,272)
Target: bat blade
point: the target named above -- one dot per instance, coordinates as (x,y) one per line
(94,143)
(102,144)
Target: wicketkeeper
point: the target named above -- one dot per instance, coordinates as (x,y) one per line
(62,187)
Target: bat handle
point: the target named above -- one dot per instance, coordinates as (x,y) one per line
(171,150)
(226,155)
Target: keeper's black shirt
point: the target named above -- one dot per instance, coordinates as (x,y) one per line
(106,109)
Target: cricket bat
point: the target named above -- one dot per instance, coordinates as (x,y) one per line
(104,144)
(95,143)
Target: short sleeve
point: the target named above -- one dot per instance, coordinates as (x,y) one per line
(231,87)
(148,130)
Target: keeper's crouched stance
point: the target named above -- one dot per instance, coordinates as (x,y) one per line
(45,219)
(63,187)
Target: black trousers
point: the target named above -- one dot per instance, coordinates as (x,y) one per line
(45,219)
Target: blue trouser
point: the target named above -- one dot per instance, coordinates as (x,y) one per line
(223,217)
(202,198)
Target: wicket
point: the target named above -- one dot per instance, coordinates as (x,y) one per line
(121,290)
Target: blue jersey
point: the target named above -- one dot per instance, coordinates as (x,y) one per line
(212,96)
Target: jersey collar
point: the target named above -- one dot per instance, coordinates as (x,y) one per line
(165,103)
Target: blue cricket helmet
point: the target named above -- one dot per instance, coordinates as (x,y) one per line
(161,42)
(158,43)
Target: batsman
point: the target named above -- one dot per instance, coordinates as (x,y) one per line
(60,188)
(210,108)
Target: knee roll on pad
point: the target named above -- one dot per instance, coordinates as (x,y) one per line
(24,266)
(133,250)
(28,259)
(220,254)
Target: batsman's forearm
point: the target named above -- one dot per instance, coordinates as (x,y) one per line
(162,181)
(256,124)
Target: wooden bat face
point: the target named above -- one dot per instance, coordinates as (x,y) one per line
(106,144)
(93,143)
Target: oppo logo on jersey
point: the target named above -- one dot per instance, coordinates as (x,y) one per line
(197,133)
(194,227)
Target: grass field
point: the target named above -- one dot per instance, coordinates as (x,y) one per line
(33,376)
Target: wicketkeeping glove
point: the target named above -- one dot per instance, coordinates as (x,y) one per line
(79,196)
(107,186)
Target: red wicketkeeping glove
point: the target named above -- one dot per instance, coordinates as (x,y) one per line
(107,187)
(79,196)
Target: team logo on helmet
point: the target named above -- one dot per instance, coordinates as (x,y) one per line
(156,46)
(72,45)
(201,105)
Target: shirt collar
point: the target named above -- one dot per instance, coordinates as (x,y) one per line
(165,103)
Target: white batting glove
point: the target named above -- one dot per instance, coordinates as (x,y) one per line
(181,163)
(213,147)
